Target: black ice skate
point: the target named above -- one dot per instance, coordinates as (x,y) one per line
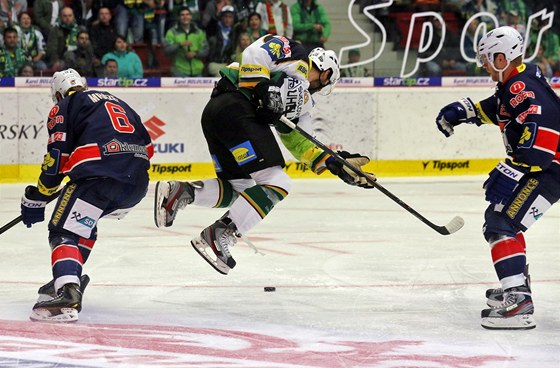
(63,308)
(47,292)
(515,312)
(170,197)
(219,237)
(495,297)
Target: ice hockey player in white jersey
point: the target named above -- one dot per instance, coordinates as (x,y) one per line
(247,159)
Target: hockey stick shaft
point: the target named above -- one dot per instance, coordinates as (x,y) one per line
(454,225)
(18,219)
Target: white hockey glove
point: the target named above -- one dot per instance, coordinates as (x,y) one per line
(347,175)
(462,111)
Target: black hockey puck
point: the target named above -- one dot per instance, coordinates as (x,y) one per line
(269,288)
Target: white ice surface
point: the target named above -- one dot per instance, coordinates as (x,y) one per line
(359,282)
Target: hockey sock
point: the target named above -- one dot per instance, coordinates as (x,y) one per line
(215,193)
(253,205)
(66,261)
(509,259)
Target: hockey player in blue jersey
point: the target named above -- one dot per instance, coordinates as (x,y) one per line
(101,145)
(526,184)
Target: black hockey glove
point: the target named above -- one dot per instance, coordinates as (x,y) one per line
(347,175)
(269,102)
(33,206)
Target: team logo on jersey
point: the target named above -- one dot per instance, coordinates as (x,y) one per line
(517,87)
(49,165)
(243,153)
(276,49)
(528,135)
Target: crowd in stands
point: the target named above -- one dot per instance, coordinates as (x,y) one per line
(142,38)
(456,13)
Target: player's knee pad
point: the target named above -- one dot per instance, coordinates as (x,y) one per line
(57,239)
(240,185)
(274,181)
(496,226)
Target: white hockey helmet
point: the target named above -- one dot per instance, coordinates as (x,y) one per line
(325,60)
(64,80)
(505,40)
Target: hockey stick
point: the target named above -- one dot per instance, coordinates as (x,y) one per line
(18,219)
(453,226)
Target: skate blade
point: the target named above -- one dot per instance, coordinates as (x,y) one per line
(519,322)
(44,315)
(201,246)
(161,193)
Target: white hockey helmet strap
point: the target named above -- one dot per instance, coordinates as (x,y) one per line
(326,60)
(63,81)
(502,40)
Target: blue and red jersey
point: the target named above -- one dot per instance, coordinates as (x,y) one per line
(94,134)
(527,110)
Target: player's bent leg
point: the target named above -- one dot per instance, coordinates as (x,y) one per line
(170,197)
(251,206)
(254,203)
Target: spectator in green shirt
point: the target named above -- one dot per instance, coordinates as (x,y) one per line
(312,26)
(12,57)
(187,45)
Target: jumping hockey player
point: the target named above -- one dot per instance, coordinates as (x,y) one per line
(101,145)
(247,159)
(526,184)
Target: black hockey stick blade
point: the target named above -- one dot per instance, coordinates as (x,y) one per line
(18,219)
(453,226)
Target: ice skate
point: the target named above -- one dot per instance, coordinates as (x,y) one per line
(218,237)
(514,313)
(495,297)
(47,292)
(170,197)
(63,308)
